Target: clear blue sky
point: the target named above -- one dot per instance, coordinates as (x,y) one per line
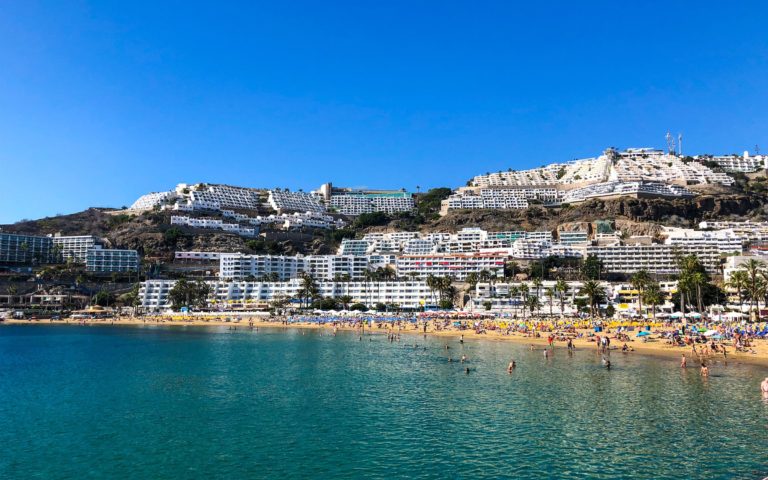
(103,101)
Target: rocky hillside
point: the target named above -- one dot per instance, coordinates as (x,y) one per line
(152,234)
(626,211)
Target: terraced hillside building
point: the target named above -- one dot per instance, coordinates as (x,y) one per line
(635,172)
(352,202)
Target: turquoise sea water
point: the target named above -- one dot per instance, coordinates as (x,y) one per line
(158,402)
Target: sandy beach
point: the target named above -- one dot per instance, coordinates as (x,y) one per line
(655,346)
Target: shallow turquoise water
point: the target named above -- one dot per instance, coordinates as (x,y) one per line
(156,402)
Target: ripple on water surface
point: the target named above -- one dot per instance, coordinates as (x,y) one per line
(80,402)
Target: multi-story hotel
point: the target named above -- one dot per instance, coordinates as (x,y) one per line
(320,267)
(726,241)
(74,248)
(349,201)
(734,163)
(26,249)
(100,260)
(456,266)
(154,294)
(655,258)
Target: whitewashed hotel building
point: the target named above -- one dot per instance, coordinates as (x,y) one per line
(456,266)
(153,294)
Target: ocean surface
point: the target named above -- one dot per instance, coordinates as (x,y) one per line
(173,402)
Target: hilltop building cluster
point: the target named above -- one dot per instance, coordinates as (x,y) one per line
(635,172)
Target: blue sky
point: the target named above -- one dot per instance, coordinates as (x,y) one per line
(101,102)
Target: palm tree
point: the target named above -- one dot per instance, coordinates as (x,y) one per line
(594,293)
(308,290)
(698,279)
(561,287)
(537,285)
(550,293)
(639,281)
(514,292)
(445,286)
(653,296)
(345,300)
(755,273)
(533,303)
(738,282)
(433,285)
(513,268)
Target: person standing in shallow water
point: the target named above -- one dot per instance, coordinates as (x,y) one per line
(683,362)
(764,386)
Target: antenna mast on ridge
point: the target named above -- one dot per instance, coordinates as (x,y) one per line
(670,143)
(680,143)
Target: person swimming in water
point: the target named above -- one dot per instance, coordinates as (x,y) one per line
(511,366)
(606,363)
(463,358)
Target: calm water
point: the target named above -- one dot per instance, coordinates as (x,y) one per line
(108,402)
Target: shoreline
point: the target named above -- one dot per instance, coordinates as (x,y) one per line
(655,348)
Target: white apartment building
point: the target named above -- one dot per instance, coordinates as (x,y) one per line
(216,197)
(358,203)
(75,247)
(655,258)
(753,231)
(240,266)
(726,241)
(334,267)
(355,247)
(734,163)
(100,260)
(499,198)
(286,201)
(456,266)
(153,294)
(577,172)
(321,267)
(573,238)
(616,189)
(213,223)
(418,246)
(151,200)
